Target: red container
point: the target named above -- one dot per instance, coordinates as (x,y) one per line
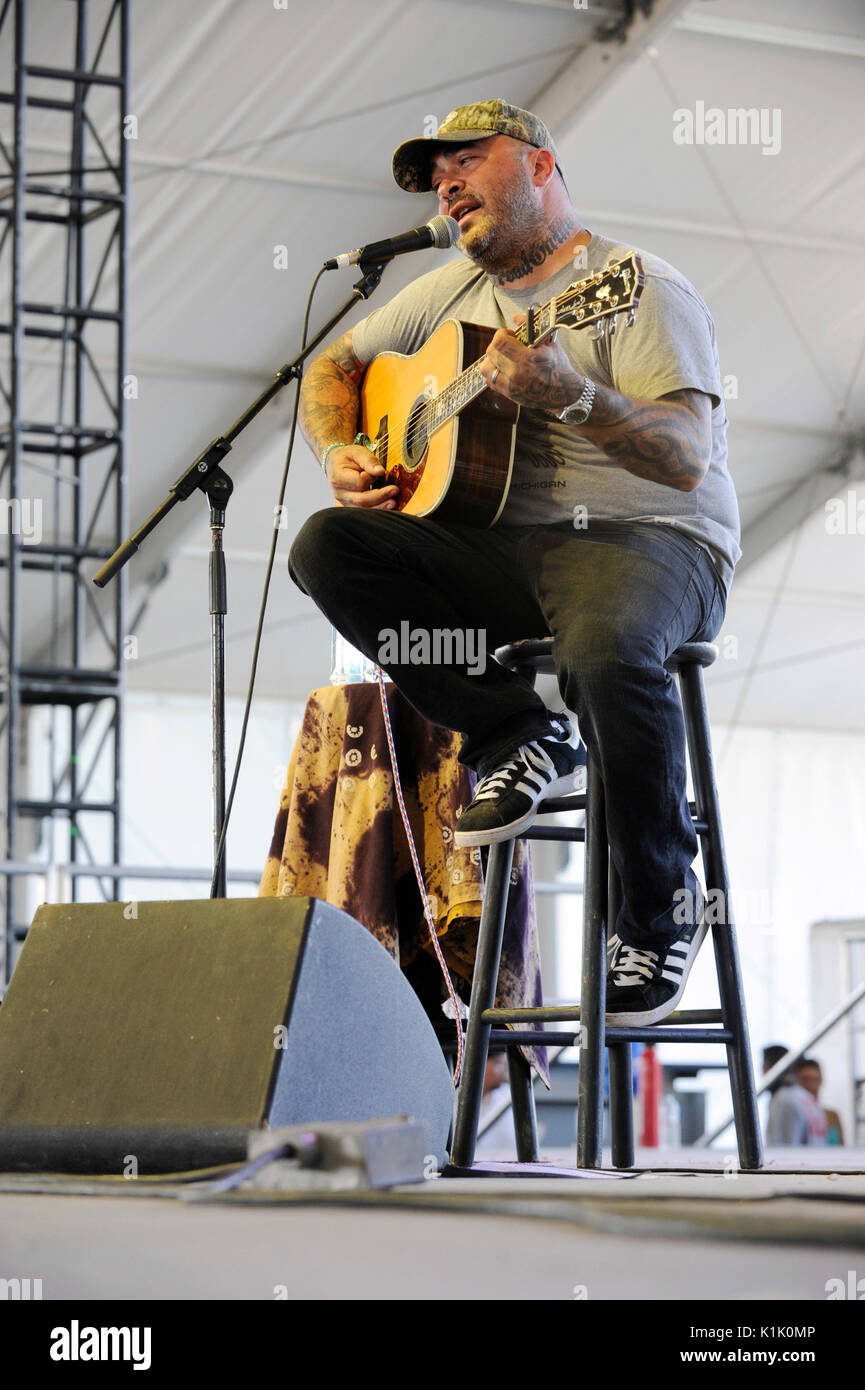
(650,1082)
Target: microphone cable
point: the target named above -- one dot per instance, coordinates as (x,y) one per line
(418,871)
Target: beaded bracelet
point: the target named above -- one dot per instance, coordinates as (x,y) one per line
(360,438)
(323,459)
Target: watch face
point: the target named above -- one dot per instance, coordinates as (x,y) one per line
(579,412)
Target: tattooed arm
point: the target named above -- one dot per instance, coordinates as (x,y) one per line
(666,441)
(329,396)
(329,412)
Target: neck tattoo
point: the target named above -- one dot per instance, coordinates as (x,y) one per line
(536,252)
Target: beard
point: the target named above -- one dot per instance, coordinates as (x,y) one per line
(507,220)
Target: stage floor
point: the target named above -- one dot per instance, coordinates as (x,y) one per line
(679,1234)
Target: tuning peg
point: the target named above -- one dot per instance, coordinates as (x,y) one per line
(613,324)
(632,314)
(600,330)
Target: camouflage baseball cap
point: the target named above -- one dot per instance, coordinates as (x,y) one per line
(411,162)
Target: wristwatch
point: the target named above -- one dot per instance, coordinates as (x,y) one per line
(579,412)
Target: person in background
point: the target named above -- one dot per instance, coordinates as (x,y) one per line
(795,1117)
(809,1074)
(771,1057)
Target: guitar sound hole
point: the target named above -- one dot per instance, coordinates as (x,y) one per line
(414,443)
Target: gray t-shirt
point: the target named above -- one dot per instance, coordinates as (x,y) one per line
(795,1117)
(671,346)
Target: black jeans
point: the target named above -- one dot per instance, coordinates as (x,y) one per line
(617,599)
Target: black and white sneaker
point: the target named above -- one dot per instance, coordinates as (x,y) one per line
(644,986)
(507,800)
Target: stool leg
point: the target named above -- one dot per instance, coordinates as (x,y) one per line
(593,992)
(724,932)
(619,1054)
(523,1102)
(621,1104)
(486,973)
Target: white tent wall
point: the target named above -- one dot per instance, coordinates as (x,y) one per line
(166,794)
(837,968)
(167,789)
(793,803)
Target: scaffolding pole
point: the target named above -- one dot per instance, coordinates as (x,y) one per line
(63,237)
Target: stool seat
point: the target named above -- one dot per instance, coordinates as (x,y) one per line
(692,654)
(536,653)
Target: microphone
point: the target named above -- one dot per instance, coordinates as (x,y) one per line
(440,232)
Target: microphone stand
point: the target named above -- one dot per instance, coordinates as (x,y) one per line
(205,475)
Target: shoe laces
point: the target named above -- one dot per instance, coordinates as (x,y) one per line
(632,966)
(531,757)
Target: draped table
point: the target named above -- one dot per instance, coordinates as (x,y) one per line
(339,837)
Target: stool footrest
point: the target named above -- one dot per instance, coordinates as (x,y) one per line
(536,1037)
(563,833)
(658,1033)
(566,1013)
(568,832)
(575,802)
(532,1037)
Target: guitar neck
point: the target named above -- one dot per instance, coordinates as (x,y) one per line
(469,384)
(596,300)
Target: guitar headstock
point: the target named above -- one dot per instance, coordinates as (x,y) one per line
(601,297)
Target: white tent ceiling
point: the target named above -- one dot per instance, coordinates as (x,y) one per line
(261,126)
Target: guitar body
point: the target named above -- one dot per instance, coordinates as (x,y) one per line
(462,470)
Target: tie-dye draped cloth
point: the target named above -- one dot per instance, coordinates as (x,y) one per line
(339,837)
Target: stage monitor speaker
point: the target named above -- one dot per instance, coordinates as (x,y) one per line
(158,1034)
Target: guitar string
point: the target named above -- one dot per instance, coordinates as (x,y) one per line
(402,428)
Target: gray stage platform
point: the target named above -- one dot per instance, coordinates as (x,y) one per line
(702,1234)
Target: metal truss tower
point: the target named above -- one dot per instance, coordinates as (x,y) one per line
(63,209)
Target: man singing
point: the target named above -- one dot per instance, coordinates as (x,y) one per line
(624,435)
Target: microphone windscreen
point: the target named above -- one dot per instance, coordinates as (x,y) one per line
(445,230)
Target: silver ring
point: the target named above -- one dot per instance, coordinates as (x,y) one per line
(494,375)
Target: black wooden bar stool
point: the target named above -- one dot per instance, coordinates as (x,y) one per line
(601,897)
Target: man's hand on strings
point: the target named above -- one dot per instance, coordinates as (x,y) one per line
(540,378)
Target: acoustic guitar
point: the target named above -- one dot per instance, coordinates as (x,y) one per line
(450,448)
